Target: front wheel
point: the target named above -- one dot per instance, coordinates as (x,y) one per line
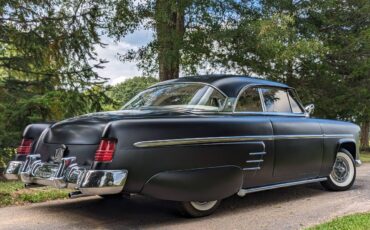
(343,174)
(198,209)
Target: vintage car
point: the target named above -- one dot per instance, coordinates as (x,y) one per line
(195,140)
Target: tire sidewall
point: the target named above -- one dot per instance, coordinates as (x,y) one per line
(337,186)
(190,210)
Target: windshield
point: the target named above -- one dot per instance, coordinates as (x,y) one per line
(189,96)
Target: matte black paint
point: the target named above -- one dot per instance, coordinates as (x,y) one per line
(196,184)
(202,171)
(33,132)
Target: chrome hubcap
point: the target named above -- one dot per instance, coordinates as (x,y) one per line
(203,206)
(341,170)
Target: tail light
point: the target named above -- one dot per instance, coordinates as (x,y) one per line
(25,147)
(105,151)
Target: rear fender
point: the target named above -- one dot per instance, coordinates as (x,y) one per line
(33,131)
(202,184)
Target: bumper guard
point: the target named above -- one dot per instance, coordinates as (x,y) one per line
(66,174)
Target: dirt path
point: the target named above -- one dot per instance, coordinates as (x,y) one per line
(287,208)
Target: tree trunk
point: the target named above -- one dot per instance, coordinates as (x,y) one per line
(365,129)
(169,19)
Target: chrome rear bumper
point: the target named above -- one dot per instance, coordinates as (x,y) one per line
(66,174)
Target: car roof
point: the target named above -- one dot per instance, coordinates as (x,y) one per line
(228,84)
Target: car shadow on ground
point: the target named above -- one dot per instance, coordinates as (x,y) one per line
(147,212)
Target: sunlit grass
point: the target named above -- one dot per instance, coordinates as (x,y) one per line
(14,193)
(352,222)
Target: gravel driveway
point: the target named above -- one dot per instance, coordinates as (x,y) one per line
(287,208)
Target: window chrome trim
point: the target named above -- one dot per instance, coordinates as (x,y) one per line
(270,114)
(193,83)
(297,100)
(190,82)
(241,92)
(231,139)
(263,102)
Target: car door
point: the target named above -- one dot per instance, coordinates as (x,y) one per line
(258,162)
(298,140)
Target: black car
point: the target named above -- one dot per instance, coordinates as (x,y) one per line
(195,140)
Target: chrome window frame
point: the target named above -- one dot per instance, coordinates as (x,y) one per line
(296,99)
(193,83)
(241,93)
(258,86)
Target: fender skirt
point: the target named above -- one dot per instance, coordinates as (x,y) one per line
(203,184)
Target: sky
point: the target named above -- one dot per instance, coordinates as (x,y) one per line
(116,70)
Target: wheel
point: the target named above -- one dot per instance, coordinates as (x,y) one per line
(343,174)
(198,209)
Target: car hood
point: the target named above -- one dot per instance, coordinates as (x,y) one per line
(88,129)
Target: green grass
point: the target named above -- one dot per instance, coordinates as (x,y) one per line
(14,193)
(352,222)
(365,158)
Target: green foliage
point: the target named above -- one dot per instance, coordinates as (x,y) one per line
(48,58)
(13,192)
(186,31)
(365,156)
(47,64)
(123,92)
(352,222)
(319,47)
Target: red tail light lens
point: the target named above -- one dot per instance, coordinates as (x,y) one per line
(105,151)
(25,147)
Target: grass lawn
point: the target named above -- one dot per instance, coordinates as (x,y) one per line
(356,221)
(365,157)
(352,222)
(14,193)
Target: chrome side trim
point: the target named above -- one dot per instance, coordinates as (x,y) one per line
(201,140)
(243,192)
(255,161)
(209,140)
(251,169)
(257,154)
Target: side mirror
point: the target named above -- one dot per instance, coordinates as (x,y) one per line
(309,109)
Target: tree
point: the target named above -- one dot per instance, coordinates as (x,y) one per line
(47,62)
(319,47)
(343,27)
(186,31)
(125,91)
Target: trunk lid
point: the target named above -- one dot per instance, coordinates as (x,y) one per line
(87,129)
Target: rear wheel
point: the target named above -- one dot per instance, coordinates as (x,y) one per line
(343,174)
(198,209)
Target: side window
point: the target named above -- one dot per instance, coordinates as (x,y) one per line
(294,102)
(276,100)
(249,101)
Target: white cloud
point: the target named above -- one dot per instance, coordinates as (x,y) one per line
(116,70)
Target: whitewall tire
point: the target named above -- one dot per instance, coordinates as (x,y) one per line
(198,209)
(343,174)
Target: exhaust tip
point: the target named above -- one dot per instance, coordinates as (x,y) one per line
(75,194)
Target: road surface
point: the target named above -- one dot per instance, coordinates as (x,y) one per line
(286,208)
